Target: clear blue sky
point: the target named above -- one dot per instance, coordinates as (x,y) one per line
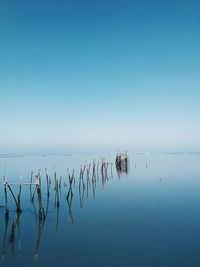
(110,73)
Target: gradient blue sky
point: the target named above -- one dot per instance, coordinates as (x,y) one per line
(99,73)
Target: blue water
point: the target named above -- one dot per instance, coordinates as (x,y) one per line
(149,216)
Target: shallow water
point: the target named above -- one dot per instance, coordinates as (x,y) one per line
(149,216)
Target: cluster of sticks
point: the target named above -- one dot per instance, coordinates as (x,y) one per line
(89,174)
(17,199)
(84,183)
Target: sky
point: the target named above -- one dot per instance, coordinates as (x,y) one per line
(99,73)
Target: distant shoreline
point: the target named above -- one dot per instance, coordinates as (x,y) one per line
(21,155)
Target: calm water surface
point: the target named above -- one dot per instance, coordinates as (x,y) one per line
(147,217)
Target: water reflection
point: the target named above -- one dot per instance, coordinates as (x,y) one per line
(40,222)
(9,236)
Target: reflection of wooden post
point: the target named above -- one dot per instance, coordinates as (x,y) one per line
(18,229)
(57,214)
(93,188)
(12,238)
(69,202)
(4,247)
(40,227)
(40,206)
(60,182)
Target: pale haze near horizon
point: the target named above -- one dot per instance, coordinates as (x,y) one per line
(99,74)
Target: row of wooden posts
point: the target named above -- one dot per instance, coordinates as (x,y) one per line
(87,179)
(35,186)
(88,176)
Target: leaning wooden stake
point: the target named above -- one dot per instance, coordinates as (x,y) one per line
(6,197)
(17,202)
